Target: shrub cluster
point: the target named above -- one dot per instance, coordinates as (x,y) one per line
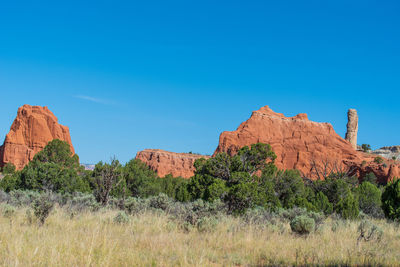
(245,181)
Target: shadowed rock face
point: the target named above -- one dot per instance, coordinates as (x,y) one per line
(164,162)
(352,128)
(30,132)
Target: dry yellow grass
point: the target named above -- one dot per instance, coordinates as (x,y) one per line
(93,239)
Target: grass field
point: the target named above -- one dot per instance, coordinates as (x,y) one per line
(156,239)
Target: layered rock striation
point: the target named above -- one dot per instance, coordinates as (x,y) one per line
(30,132)
(165,162)
(388,152)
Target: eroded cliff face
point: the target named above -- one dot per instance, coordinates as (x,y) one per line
(165,162)
(30,132)
(301,144)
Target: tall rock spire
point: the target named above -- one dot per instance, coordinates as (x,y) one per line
(352,127)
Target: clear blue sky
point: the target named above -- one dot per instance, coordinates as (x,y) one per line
(129,75)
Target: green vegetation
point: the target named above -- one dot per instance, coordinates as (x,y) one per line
(366,147)
(378,160)
(241,182)
(302,225)
(369,199)
(42,207)
(54,169)
(391,200)
(159,231)
(9,168)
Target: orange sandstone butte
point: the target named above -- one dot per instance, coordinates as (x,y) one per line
(304,145)
(30,132)
(310,147)
(165,162)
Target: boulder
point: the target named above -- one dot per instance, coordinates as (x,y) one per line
(30,132)
(165,162)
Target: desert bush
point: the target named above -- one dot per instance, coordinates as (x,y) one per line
(162,202)
(28,216)
(259,216)
(121,218)
(302,225)
(370,177)
(22,197)
(42,207)
(338,223)
(291,214)
(82,201)
(207,224)
(378,160)
(369,231)
(190,214)
(4,197)
(8,211)
(391,200)
(136,205)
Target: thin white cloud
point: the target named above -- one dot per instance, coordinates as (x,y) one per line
(94,99)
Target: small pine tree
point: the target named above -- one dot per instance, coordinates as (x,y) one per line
(348,207)
(321,203)
(391,200)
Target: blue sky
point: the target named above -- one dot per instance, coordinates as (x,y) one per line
(129,75)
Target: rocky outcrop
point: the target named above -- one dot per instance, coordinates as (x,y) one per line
(352,127)
(310,147)
(301,144)
(388,152)
(30,132)
(164,162)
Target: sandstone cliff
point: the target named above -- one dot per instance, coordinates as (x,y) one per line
(164,162)
(30,132)
(301,144)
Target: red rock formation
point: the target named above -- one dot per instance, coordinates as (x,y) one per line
(164,162)
(30,132)
(300,144)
